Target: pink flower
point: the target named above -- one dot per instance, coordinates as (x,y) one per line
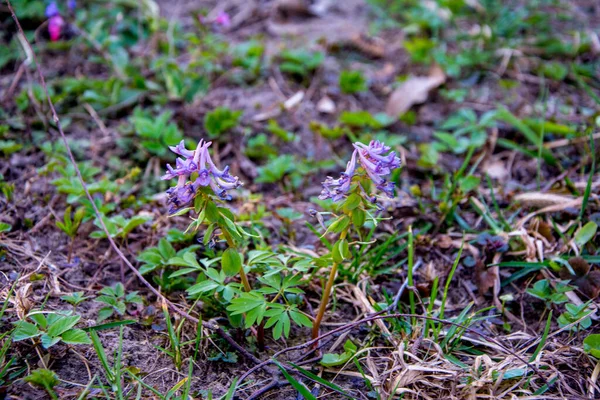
(223,19)
(55,24)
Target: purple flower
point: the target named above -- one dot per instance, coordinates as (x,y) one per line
(196,161)
(377,161)
(336,189)
(55,24)
(223,19)
(51,9)
(377,164)
(72,4)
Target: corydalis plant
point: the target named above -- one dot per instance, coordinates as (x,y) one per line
(199,163)
(369,165)
(201,182)
(377,163)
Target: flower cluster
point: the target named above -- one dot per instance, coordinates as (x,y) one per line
(55,20)
(222,19)
(375,159)
(196,161)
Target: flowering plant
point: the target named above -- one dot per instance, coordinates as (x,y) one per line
(369,165)
(200,163)
(201,182)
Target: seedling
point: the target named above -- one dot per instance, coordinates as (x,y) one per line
(352,82)
(70,226)
(116,301)
(300,62)
(45,379)
(74,299)
(580,315)
(220,120)
(156,132)
(52,328)
(119,226)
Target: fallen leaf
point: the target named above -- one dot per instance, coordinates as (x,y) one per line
(587,281)
(496,170)
(326,105)
(486,278)
(539,199)
(414,90)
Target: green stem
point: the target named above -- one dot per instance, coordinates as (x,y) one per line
(260,332)
(411,259)
(324,301)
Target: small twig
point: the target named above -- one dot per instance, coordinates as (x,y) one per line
(394,306)
(275,382)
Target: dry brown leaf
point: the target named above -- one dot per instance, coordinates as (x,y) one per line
(414,90)
(496,170)
(326,105)
(486,277)
(539,199)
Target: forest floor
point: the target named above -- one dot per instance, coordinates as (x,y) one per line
(482,267)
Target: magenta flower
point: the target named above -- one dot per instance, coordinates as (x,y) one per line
(55,24)
(223,19)
(376,160)
(196,161)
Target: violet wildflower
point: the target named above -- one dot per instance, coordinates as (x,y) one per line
(55,21)
(55,25)
(223,19)
(196,161)
(51,9)
(71,4)
(376,160)
(336,189)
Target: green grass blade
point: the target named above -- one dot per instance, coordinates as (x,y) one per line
(303,390)
(110,325)
(320,380)
(542,343)
(588,187)
(411,264)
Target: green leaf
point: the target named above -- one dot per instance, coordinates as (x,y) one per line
(331,360)
(586,233)
(358,218)
(75,336)
(301,319)
(320,380)
(105,313)
(165,249)
(295,384)
(340,251)
(25,330)
(43,378)
(202,287)
(252,303)
(591,345)
(49,341)
(63,324)
(4,227)
(469,183)
(338,225)
(351,202)
(231,262)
